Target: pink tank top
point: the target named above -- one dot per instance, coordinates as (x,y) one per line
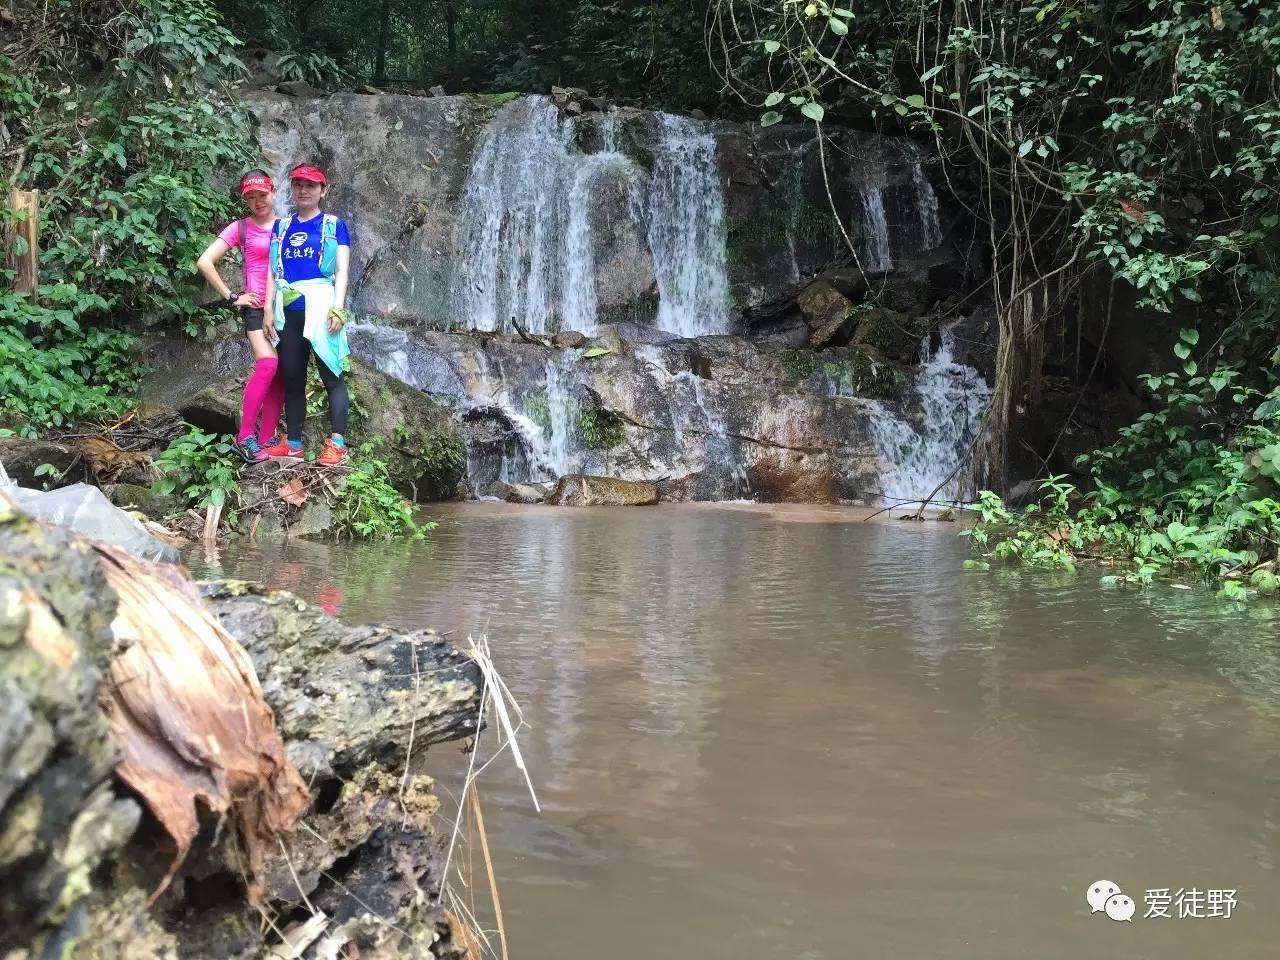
(257,243)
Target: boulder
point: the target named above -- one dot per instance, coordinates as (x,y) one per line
(569,340)
(890,334)
(79,854)
(216,407)
(828,313)
(148,502)
(518,492)
(22,457)
(582,490)
(412,432)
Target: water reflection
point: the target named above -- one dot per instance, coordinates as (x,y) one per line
(784,732)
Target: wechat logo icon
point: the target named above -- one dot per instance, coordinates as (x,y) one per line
(1104,896)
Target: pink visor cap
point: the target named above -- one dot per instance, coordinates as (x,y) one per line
(255,183)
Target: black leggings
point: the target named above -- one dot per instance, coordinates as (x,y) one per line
(295,350)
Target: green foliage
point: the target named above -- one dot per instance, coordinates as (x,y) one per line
(368,506)
(440,459)
(647,53)
(602,429)
(117,115)
(52,372)
(1193,486)
(201,468)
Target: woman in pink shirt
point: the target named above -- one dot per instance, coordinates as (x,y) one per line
(264,393)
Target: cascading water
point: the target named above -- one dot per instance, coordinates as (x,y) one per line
(951,397)
(721,449)
(509,227)
(524,232)
(930,225)
(687,231)
(580,300)
(562,412)
(875,241)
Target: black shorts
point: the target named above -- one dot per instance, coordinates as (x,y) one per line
(252,319)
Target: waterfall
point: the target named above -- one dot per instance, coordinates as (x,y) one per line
(687,231)
(875,231)
(729,456)
(951,398)
(286,160)
(509,224)
(926,206)
(580,269)
(524,231)
(562,413)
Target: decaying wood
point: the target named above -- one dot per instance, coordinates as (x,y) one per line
(184,706)
(25,264)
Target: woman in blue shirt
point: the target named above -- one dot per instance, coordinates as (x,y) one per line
(307,294)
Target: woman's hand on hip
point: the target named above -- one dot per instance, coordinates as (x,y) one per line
(251,300)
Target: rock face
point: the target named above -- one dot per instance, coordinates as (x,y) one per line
(581,490)
(22,457)
(79,854)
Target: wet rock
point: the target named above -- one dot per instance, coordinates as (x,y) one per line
(412,432)
(148,502)
(828,313)
(581,490)
(297,88)
(518,492)
(437,91)
(216,407)
(790,477)
(22,457)
(569,340)
(889,334)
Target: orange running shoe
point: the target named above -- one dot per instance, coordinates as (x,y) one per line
(332,455)
(283,450)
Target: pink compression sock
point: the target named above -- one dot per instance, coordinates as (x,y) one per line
(255,392)
(272,406)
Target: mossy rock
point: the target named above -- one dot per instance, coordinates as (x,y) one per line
(895,336)
(411,432)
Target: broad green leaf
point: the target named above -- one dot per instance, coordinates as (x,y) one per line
(1190,336)
(915,100)
(769,118)
(774,98)
(595,352)
(837,26)
(772,46)
(813,111)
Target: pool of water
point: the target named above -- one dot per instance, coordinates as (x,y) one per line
(786,732)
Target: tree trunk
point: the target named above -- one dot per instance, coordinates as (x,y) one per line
(380,64)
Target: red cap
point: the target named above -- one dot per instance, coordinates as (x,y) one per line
(252,182)
(305,171)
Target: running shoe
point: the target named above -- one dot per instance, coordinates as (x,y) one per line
(332,455)
(284,451)
(249,449)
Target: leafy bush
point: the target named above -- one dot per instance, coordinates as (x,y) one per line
(602,429)
(1192,486)
(201,468)
(367,505)
(117,113)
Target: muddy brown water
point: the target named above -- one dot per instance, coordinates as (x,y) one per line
(784,732)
